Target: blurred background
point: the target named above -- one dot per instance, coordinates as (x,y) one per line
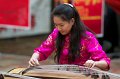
(25,24)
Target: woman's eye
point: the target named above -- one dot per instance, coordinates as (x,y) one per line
(61,25)
(55,25)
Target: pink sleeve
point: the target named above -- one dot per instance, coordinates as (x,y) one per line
(95,49)
(47,47)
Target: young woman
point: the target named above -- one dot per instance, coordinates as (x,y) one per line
(71,41)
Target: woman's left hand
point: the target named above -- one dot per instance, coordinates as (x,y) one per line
(89,63)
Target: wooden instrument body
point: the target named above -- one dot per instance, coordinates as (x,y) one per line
(61,72)
(48,74)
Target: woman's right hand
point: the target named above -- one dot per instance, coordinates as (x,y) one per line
(34,60)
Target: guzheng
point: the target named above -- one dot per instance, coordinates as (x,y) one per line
(63,72)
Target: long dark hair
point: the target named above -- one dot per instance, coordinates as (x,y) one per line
(66,12)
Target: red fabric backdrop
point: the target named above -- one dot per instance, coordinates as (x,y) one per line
(14,13)
(91,12)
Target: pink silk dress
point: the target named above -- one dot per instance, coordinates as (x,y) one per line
(91,49)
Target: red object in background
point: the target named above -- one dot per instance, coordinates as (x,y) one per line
(14,13)
(114,4)
(91,12)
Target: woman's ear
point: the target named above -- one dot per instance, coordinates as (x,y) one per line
(72,21)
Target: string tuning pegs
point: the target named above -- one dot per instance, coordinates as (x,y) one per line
(105,76)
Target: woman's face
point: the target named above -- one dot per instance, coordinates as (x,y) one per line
(64,27)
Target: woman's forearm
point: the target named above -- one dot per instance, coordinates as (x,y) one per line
(102,65)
